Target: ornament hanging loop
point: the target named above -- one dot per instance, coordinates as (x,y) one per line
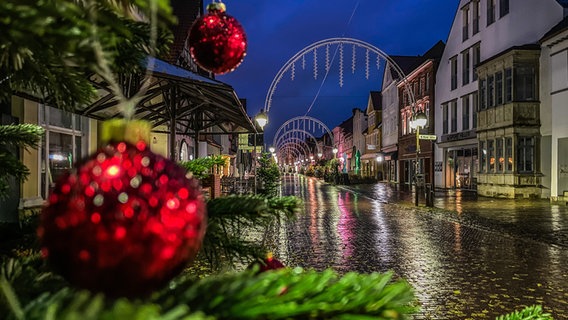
(216,7)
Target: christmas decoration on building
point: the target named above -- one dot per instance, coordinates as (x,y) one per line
(217,41)
(125,220)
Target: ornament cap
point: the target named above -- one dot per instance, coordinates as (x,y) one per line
(131,131)
(216,6)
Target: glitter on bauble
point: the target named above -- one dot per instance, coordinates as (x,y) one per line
(124,222)
(217,41)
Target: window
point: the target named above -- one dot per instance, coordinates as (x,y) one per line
(428,82)
(490,12)
(490,91)
(499,152)
(475,14)
(491,155)
(445,118)
(475,107)
(509,154)
(483,94)
(476,59)
(508,85)
(499,88)
(454,70)
(465,67)
(525,154)
(465,28)
(483,156)
(525,83)
(503,8)
(465,113)
(454,105)
(64,143)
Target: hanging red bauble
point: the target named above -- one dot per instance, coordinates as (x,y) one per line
(217,41)
(124,222)
(268,263)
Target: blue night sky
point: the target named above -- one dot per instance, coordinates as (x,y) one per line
(277,30)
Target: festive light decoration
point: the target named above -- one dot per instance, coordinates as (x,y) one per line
(124,222)
(217,41)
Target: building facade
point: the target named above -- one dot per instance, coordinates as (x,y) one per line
(553,112)
(372,159)
(481,29)
(415,155)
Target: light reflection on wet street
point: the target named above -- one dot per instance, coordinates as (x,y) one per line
(458,270)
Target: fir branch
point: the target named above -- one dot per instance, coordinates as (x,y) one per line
(20,135)
(528,313)
(236,223)
(298,294)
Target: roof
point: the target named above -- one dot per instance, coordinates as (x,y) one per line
(376,100)
(406,64)
(558,28)
(193,102)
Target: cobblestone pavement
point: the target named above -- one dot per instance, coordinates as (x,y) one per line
(461,265)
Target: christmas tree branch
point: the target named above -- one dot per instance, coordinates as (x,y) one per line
(233,223)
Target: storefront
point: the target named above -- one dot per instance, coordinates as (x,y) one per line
(461,167)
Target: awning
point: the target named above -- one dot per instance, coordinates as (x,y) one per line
(175,95)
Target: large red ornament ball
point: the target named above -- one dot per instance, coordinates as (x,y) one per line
(124,222)
(217,41)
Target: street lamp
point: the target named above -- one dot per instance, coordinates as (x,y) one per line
(261,118)
(419,121)
(334,152)
(271,149)
(320,154)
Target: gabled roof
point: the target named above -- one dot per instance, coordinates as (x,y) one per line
(347,125)
(406,64)
(376,100)
(558,28)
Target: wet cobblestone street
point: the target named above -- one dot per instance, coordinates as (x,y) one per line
(462,264)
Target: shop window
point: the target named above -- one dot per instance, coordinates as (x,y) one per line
(499,153)
(509,154)
(491,155)
(525,154)
(483,162)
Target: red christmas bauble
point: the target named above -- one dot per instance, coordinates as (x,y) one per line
(124,222)
(268,263)
(217,41)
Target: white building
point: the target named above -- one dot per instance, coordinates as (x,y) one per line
(482,30)
(554,98)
